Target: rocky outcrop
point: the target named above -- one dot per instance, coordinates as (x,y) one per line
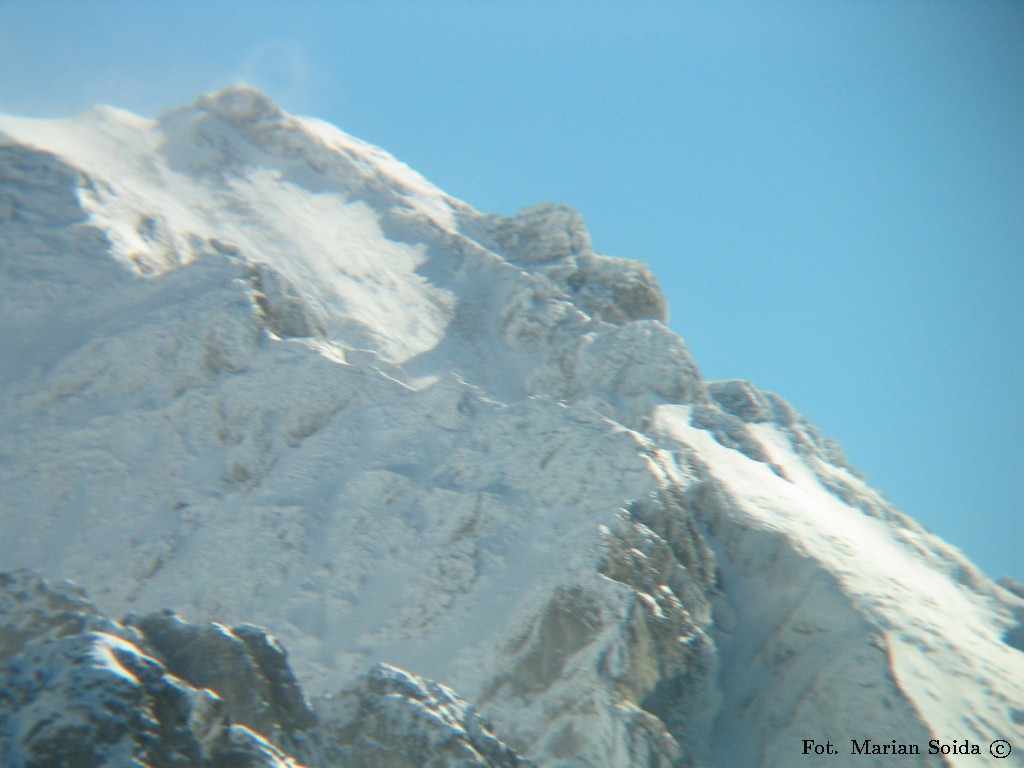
(247,668)
(540,234)
(393,719)
(552,240)
(80,690)
(33,610)
(286,312)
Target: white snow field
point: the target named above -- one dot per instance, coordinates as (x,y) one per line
(255,370)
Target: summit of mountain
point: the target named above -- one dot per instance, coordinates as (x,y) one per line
(259,372)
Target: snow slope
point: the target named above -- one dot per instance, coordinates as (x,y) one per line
(257,370)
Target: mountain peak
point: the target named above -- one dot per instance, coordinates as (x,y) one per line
(393,429)
(240,104)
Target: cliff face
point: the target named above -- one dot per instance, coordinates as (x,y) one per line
(260,372)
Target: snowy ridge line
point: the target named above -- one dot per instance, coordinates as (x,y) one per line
(260,371)
(935,619)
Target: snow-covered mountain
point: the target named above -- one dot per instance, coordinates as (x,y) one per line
(259,372)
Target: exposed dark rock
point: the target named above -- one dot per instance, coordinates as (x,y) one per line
(32,609)
(615,290)
(541,233)
(392,719)
(281,305)
(245,665)
(82,691)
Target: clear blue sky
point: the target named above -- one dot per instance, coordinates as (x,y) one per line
(831,193)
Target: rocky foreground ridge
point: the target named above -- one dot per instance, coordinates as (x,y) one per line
(261,373)
(78,689)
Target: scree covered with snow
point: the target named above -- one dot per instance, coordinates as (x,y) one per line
(255,370)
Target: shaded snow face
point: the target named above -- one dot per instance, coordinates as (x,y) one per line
(259,371)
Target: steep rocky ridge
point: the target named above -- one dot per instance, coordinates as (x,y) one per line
(79,689)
